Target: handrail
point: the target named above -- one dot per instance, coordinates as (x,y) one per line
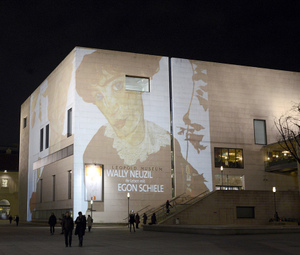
(163,205)
(160,212)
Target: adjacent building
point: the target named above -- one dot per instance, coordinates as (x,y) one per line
(9,181)
(129,131)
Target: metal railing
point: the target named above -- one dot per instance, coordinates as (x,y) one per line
(178,204)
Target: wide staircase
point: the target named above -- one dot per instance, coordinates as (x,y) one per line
(178,204)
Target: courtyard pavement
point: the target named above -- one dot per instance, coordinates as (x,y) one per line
(36,239)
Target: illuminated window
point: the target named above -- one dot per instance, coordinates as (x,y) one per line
(4,183)
(260,134)
(69,128)
(231,158)
(141,84)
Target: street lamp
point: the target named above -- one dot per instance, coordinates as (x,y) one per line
(92,208)
(221,168)
(275,214)
(128,196)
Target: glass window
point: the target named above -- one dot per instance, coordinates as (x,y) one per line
(41,190)
(41,139)
(245,212)
(231,158)
(218,157)
(260,135)
(25,122)
(69,184)
(141,84)
(53,194)
(69,128)
(225,157)
(47,137)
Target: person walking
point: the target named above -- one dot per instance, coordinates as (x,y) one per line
(137,220)
(132,220)
(68,226)
(10,219)
(153,218)
(80,227)
(168,206)
(17,220)
(52,223)
(89,222)
(145,218)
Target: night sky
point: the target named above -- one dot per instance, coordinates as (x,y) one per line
(37,35)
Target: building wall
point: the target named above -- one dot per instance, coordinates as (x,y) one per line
(121,140)
(47,105)
(126,132)
(237,96)
(219,208)
(23,160)
(10,193)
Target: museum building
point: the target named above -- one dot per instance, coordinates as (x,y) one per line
(107,132)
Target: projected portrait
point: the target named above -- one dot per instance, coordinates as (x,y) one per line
(127,139)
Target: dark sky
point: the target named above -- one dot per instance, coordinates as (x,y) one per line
(37,35)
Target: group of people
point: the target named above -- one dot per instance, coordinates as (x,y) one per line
(135,219)
(67,225)
(10,218)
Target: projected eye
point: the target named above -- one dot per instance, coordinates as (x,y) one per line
(99,96)
(117,85)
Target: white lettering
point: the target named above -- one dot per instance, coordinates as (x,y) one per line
(127,187)
(151,188)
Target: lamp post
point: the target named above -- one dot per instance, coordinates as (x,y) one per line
(128,196)
(221,168)
(275,214)
(92,208)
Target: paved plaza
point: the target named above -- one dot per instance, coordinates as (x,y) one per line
(33,239)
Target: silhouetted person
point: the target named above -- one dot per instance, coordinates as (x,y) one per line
(52,223)
(89,222)
(145,218)
(153,218)
(132,220)
(168,206)
(10,219)
(17,220)
(80,227)
(62,223)
(276,216)
(137,220)
(68,226)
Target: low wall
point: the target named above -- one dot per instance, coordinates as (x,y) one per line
(220,208)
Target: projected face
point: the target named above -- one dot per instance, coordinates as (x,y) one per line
(113,100)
